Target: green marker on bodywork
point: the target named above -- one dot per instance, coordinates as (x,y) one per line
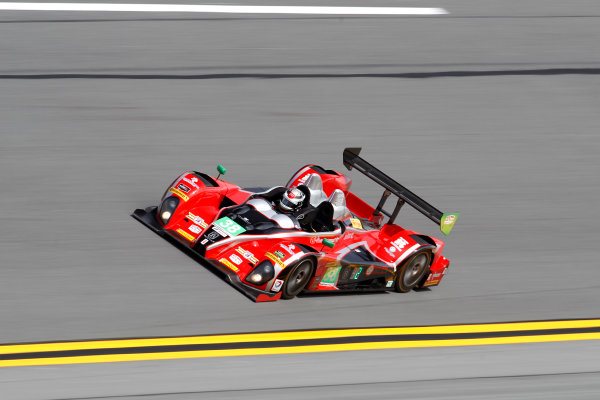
(328,243)
(447,222)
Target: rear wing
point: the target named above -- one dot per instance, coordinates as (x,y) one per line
(444,220)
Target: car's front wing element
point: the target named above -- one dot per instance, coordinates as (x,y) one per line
(149,218)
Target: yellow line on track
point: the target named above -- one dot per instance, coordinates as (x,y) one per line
(516,329)
(300,349)
(299,335)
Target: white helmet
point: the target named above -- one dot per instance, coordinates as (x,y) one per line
(291,200)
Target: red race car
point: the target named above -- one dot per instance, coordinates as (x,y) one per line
(312,235)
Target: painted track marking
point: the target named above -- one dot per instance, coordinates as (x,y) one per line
(116,350)
(209,8)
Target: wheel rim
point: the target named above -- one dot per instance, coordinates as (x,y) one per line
(299,277)
(414,271)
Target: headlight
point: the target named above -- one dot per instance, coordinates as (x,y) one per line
(167,208)
(263,273)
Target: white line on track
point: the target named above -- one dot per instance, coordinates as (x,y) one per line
(208,8)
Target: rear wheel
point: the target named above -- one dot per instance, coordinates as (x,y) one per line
(412,272)
(297,278)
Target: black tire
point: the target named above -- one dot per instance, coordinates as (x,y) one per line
(297,278)
(412,272)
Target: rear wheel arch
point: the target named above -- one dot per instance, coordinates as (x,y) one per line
(414,270)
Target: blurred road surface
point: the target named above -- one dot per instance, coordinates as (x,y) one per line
(491,110)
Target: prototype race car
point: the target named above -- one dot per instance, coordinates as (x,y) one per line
(333,242)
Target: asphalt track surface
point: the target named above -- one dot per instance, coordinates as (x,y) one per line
(491,110)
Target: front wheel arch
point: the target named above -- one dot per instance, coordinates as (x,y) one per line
(285,272)
(297,277)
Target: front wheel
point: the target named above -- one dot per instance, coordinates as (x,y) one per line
(412,272)
(297,279)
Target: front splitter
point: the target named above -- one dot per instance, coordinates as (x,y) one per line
(148,217)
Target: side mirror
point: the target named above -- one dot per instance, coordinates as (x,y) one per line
(221,170)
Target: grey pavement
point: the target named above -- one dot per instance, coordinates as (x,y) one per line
(523,371)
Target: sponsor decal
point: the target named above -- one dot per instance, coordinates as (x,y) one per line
(247,254)
(179,193)
(192,181)
(291,249)
(370,270)
(235,259)
(213,235)
(331,276)
(389,283)
(275,259)
(291,194)
(197,220)
(277,285)
(316,240)
(399,243)
(220,231)
(447,222)
(434,279)
(195,229)
(356,223)
(204,241)
(449,219)
(357,273)
(185,234)
(279,254)
(229,226)
(304,178)
(183,188)
(391,254)
(403,254)
(228,264)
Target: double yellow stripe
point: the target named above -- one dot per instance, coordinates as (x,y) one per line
(506,338)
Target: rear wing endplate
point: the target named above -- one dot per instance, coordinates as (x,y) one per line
(353,160)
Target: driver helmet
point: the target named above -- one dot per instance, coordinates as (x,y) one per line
(291,200)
